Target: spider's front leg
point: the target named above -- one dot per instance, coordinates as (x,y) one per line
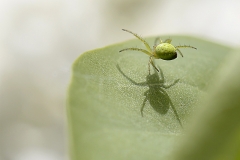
(136,49)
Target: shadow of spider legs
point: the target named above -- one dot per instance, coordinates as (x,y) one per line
(156,94)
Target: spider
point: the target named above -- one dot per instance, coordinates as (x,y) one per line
(164,50)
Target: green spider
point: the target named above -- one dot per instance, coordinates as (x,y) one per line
(164,50)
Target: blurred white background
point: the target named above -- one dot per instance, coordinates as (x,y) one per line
(40,39)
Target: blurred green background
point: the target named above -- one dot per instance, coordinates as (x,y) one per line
(40,39)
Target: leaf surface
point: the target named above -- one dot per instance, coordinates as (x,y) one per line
(108,90)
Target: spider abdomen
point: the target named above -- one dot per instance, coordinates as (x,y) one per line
(165,51)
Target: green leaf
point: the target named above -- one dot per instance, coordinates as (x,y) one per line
(215,132)
(105,99)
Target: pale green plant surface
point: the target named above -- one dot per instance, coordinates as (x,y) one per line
(104,115)
(215,132)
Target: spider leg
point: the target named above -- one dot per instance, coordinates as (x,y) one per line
(168,41)
(137,49)
(161,75)
(184,46)
(156,41)
(179,52)
(152,63)
(140,38)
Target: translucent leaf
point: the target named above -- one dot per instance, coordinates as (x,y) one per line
(108,90)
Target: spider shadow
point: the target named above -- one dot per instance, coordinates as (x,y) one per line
(156,95)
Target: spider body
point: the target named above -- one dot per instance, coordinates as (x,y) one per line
(165,51)
(161,50)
